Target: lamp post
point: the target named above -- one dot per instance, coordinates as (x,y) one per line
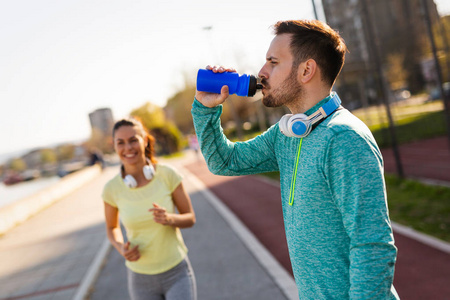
(315,10)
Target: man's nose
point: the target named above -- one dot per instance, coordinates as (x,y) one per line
(262,73)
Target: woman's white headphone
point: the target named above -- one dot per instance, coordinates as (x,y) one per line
(300,125)
(148,170)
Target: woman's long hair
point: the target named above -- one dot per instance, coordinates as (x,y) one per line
(136,123)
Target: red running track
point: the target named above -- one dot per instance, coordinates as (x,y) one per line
(426,159)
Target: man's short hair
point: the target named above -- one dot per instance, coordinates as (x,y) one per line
(316,40)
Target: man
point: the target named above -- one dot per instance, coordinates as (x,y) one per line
(332,186)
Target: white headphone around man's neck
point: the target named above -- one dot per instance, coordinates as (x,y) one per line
(130,181)
(300,125)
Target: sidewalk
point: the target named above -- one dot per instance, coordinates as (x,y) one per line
(47,256)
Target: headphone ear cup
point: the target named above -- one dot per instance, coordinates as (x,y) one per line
(130,181)
(283,125)
(299,125)
(149,171)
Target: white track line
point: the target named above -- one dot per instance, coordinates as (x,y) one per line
(93,272)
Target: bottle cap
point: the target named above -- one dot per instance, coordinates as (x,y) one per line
(253,86)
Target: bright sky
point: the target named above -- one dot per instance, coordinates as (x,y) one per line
(61,60)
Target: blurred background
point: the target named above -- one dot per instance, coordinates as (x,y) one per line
(70,69)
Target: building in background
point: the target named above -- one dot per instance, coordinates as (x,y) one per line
(400,37)
(102,120)
(102,123)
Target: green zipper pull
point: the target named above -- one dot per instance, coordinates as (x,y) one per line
(294,175)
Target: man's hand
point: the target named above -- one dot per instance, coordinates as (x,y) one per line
(212,99)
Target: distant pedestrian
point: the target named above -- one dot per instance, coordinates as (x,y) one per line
(331,171)
(193,144)
(96,157)
(145,194)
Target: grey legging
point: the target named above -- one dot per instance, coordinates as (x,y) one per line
(176,284)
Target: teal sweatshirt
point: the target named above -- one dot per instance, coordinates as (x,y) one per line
(338,230)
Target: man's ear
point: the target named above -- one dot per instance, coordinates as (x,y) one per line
(307,70)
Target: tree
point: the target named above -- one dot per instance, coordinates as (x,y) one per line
(65,152)
(396,74)
(166,133)
(178,108)
(151,115)
(442,36)
(48,156)
(18,164)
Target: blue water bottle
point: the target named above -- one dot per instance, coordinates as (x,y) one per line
(243,85)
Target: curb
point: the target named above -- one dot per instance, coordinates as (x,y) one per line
(421,237)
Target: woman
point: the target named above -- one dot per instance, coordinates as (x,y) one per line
(145,194)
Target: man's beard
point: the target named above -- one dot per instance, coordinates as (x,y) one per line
(289,91)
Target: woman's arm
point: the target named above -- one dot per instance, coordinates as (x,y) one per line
(115,236)
(186,216)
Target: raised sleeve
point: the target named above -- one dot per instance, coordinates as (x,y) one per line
(354,171)
(224,157)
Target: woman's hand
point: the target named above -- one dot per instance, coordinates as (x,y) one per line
(161,216)
(130,254)
(115,236)
(186,216)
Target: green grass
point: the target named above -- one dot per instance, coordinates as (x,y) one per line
(412,128)
(414,120)
(411,203)
(422,207)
